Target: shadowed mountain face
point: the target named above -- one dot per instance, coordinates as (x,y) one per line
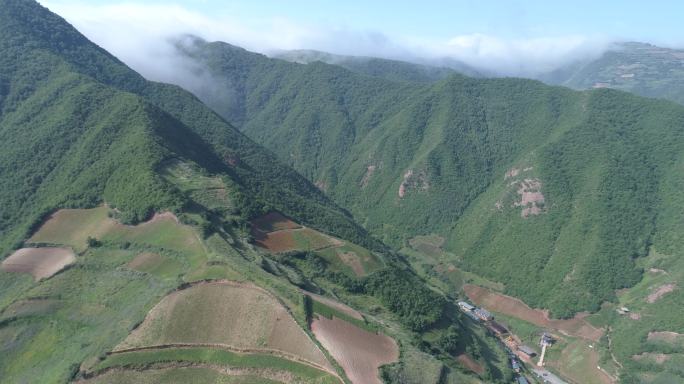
(550,191)
(642,69)
(80,128)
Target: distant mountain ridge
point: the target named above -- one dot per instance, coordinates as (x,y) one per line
(395,70)
(644,69)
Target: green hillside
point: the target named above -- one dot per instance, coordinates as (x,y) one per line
(643,69)
(57,87)
(412,159)
(82,130)
(384,68)
(560,195)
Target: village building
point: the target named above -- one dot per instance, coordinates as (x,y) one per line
(483,314)
(515,365)
(465,306)
(471,314)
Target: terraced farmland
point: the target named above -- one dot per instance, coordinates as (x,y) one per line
(233,316)
(359,352)
(276,234)
(40,263)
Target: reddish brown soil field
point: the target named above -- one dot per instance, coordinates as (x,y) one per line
(41,263)
(360,353)
(511,306)
(280,241)
(230,315)
(660,292)
(471,364)
(667,337)
(273,221)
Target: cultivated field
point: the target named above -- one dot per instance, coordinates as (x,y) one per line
(511,306)
(155,264)
(236,316)
(41,263)
(24,308)
(360,353)
(672,338)
(73,227)
(579,362)
(179,375)
(274,221)
(276,233)
(225,362)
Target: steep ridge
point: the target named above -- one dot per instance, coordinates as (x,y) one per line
(57,86)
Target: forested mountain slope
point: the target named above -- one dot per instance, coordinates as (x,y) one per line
(172,201)
(640,68)
(553,192)
(73,116)
(372,66)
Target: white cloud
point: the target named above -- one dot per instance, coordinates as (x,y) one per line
(522,56)
(138,34)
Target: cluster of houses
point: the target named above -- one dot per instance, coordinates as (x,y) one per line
(483,316)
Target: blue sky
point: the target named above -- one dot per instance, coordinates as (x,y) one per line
(657,20)
(512,37)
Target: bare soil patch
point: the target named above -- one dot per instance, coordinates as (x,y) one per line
(367,176)
(660,292)
(413,181)
(667,337)
(274,221)
(294,239)
(511,306)
(471,364)
(281,241)
(352,260)
(360,353)
(41,263)
(657,358)
(240,316)
(531,197)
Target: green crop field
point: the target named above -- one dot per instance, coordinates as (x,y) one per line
(176,376)
(142,359)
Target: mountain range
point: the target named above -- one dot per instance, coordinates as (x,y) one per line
(368,191)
